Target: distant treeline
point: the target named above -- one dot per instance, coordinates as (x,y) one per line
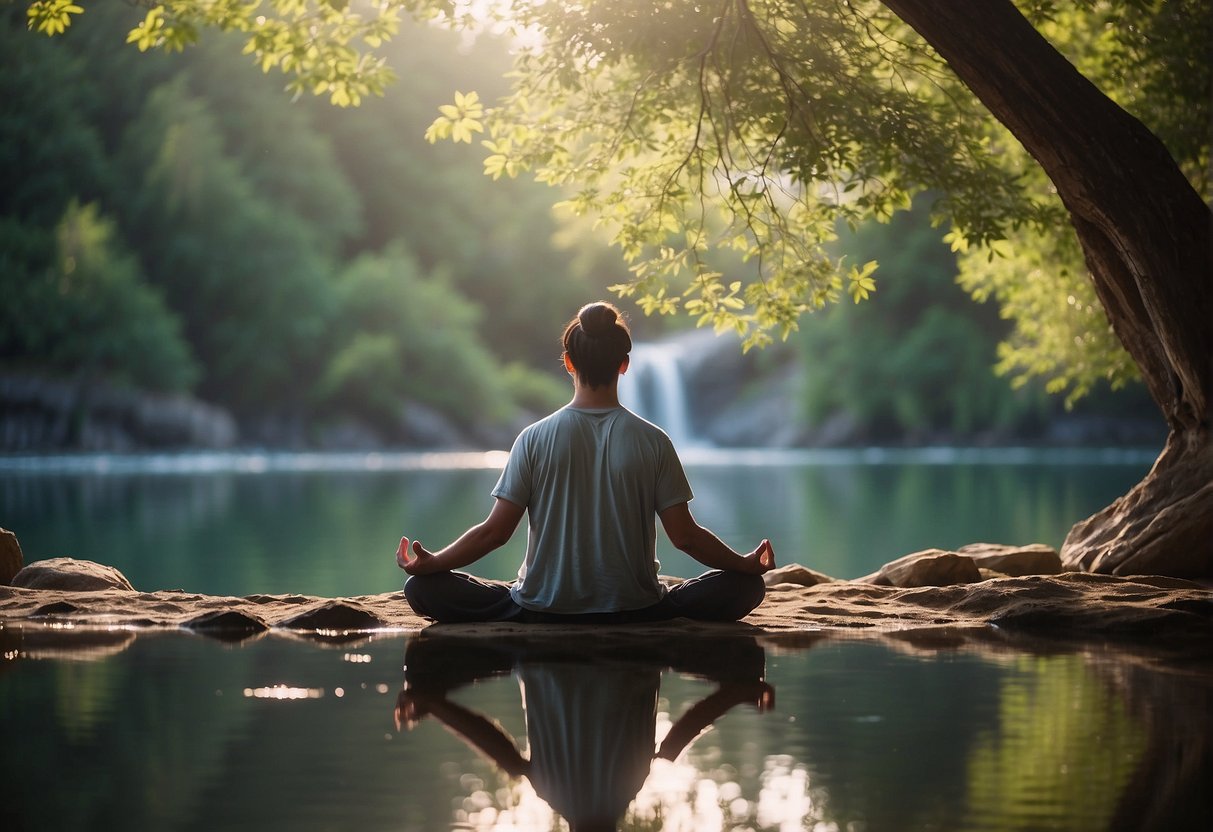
(176,223)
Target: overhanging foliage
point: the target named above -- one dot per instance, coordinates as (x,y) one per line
(755,127)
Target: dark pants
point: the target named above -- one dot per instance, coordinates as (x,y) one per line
(455,597)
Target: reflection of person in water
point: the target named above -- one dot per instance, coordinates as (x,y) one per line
(591,708)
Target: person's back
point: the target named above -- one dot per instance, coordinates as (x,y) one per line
(592,477)
(593,481)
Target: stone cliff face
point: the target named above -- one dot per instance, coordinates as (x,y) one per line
(40,414)
(731,399)
(756,400)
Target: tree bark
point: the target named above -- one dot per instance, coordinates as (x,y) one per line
(1145,234)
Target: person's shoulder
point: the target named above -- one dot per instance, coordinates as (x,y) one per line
(644,427)
(552,420)
(639,422)
(544,427)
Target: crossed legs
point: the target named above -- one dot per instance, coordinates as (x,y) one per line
(456,597)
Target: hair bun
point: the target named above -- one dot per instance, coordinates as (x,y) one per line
(597,318)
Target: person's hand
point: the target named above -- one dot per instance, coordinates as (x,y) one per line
(754,692)
(416,561)
(411,708)
(762,559)
(764,698)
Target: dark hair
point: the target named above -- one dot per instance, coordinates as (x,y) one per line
(597,341)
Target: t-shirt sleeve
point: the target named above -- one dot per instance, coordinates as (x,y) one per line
(672,485)
(514,484)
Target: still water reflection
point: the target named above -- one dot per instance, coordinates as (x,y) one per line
(723,732)
(328,525)
(592,718)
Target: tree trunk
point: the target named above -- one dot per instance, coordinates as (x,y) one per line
(1145,233)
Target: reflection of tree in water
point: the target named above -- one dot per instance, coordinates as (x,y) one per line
(148,501)
(1123,745)
(110,733)
(993,736)
(908,732)
(1061,738)
(597,740)
(1169,787)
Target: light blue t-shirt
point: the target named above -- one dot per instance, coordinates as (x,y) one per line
(591,735)
(592,482)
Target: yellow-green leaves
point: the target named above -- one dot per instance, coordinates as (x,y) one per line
(459,121)
(500,159)
(155,32)
(716,303)
(1060,330)
(324,46)
(51,17)
(861,282)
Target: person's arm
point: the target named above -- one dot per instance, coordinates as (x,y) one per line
(479,732)
(471,546)
(705,712)
(708,549)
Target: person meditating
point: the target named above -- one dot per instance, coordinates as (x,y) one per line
(592,478)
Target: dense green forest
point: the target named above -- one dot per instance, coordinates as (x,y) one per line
(915,362)
(178,223)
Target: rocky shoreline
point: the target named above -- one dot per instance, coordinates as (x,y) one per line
(1070,604)
(969,591)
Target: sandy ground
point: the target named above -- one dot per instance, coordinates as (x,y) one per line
(1075,605)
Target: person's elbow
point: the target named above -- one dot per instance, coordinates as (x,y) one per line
(684,539)
(680,527)
(494,537)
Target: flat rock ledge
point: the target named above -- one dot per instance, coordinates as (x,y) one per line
(980,586)
(1067,605)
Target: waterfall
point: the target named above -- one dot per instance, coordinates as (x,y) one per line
(653,388)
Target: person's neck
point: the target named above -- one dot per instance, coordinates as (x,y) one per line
(593,398)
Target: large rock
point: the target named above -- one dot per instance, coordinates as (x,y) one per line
(796,574)
(335,616)
(71,575)
(11,559)
(233,624)
(1014,561)
(932,567)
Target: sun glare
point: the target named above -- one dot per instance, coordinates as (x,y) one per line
(693,793)
(494,17)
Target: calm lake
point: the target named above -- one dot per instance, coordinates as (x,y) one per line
(167,731)
(170,731)
(238,524)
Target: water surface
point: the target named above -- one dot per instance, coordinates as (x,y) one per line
(164,730)
(167,731)
(239,524)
